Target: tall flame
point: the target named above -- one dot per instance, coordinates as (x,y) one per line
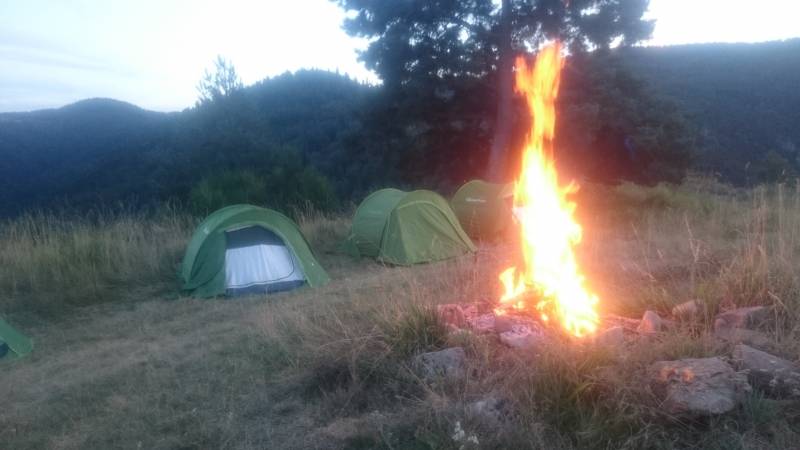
(549,231)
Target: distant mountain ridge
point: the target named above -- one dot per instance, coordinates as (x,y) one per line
(744,99)
(43,153)
(99,151)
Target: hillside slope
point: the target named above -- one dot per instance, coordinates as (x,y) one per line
(744,97)
(47,154)
(103,151)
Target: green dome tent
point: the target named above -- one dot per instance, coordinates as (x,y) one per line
(12,342)
(484,209)
(405,228)
(245,249)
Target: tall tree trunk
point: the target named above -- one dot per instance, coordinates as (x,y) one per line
(503,125)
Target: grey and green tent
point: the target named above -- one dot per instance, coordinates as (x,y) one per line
(405,228)
(484,209)
(247,249)
(12,342)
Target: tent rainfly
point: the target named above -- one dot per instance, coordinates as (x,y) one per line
(405,228)
(12,342)
(484,209)
(244,249)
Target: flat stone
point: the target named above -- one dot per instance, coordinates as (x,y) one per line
(625,322)
(753,338)
(686,310)
(651,323)
(612,337)
(447,363)
(490,409)
(482,323)
(748,317)
(774,375)
(697,386)
(522,336)
(505,322)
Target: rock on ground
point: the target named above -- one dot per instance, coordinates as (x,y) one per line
(624,322)
(686,310)
(753,338)
(612,337)
(506,322)
(465,316)
(697,387)
(522,336)
(651,323)
(452,315)
(490,409)
(748,317)
(776,376)
(482,323)
(450,362)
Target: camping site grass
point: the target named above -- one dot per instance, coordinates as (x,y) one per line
(122,360)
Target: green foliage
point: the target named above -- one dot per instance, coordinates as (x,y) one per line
(102,152)
(416,43)
(446,69)
(291,185)
(774,167)
(286,188)
(613,127)
(579,391)
(743,98)
(430,131)
(227,188)
(418,330)
(220,83)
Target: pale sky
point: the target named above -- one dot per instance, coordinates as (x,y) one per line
(152,53)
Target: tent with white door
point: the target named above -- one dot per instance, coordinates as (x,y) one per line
(244,249)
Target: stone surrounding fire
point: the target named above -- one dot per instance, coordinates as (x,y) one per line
(748,317)
(686,311)
(697,387)
(522,336)
(651,323)
(686,387)
(773,375)
(612,337)
(753,338)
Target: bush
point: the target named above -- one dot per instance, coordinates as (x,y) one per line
(287,185)
(227,188)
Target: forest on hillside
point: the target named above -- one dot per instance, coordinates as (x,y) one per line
(313,137)
(744,100)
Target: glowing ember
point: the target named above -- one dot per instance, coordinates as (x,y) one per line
(548,229)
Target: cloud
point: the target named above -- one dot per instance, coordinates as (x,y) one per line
(27,49)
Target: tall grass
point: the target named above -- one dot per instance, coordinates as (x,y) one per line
(722,246)
(656,247)
(337,362)
(50,261)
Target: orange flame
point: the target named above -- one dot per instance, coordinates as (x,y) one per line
(549,231)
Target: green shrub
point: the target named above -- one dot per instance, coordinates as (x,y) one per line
(227,188)
(286,185)
(418,330)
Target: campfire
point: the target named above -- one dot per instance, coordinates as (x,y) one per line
(549,278)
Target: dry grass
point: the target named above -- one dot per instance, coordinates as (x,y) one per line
(330,367)
(52,261)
